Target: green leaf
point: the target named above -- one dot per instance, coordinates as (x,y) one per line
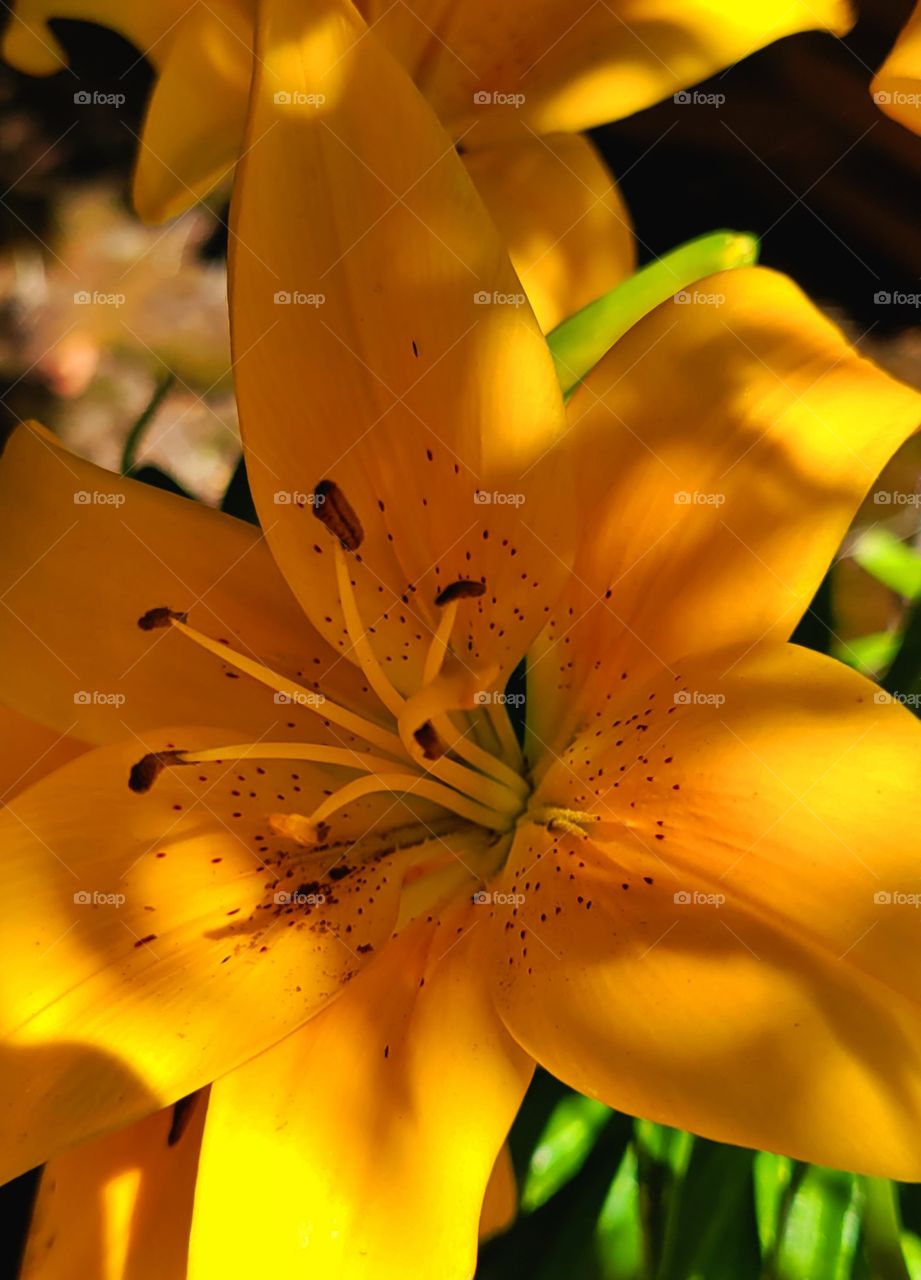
(869,654)
(579,342)
(820,1225)
(711,1232)
(618,1231)
(882,1232)
(563,1147)
(889,560)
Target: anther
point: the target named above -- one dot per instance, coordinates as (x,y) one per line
(154,619)
(148,769)
(463,589)
(333,509)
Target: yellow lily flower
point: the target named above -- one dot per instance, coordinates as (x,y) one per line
(508,82)
(896,87)
(336,890)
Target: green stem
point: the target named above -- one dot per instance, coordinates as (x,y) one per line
(578,343)
(133,439)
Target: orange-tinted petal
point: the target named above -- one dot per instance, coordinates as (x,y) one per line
(84,554)
(120,1206)
(723,448)
(570,64)
(193,129)
(562,217)
(733,949)
(150,942)
(390,350)
(896,87)
(378,1167)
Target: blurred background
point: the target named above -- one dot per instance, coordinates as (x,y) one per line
(115,335)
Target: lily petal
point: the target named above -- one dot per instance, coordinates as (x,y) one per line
(195,118)
(566,65)
(410,1063)
(84,554)
(403,363)
(734,948)
(896,87)
(120,1206)
(723,448)
(565,223)
(30,44)
(500,1204)
(29,751)
(144,947)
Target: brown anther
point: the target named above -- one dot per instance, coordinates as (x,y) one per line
(333,509)
(154,619)
(429,741)
(461,590)
(148,769)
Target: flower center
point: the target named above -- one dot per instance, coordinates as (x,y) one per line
(426,745)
